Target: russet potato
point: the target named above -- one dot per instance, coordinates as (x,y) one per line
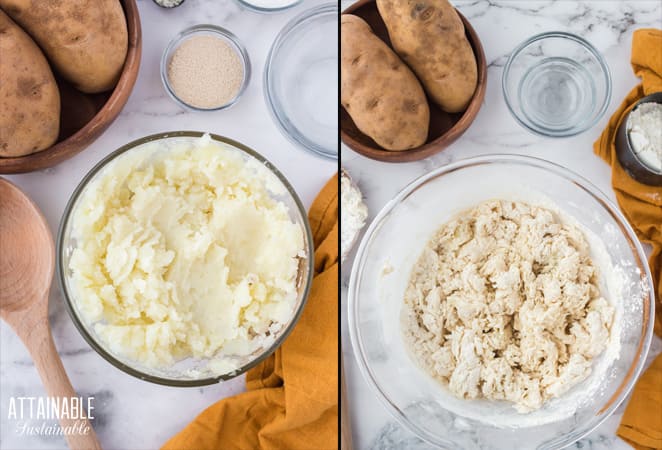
(86,41)
(429,36)
(379,92)
(29,98)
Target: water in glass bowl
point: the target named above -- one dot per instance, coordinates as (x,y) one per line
(557,94)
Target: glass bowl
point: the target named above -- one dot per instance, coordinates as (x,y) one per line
(556,84)
(190,371)
(263,6)
(381,273)
(301,80)
(167,5)
(205,30)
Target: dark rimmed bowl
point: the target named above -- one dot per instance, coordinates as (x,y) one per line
(445,127)
(84,117)
(626,155)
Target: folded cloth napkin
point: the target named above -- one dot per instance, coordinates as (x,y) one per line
(291,401)
(641,425)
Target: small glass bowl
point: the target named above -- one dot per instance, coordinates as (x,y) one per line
(168,7)
(380,275)
(265,9)
(190,371)
(556,84)
(301,80)
(209,30)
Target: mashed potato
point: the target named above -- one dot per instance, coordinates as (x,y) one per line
(183,251)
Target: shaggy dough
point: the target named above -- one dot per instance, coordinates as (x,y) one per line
(504,304)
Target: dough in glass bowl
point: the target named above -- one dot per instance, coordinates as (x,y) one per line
(504,304)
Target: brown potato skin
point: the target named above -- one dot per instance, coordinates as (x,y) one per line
(29,98)
(85,40)
(379,92)
(429,36)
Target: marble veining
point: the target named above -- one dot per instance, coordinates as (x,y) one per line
(131,414)
(502,25)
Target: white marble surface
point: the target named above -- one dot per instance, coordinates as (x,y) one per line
(608,24)
(130,413)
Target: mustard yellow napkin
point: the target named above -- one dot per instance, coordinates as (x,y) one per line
(639,202)
(641,425)
(291,401)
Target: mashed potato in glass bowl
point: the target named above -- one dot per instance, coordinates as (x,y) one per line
(185,258)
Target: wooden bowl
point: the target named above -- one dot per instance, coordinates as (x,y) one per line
(444,127)
(84,117)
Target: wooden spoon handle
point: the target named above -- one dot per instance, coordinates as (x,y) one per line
(49,365)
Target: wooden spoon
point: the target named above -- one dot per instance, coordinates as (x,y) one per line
(26,270)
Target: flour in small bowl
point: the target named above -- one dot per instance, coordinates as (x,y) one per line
(645,134)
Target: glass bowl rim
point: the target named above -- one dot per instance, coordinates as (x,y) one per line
(227,36)
(585,44)
(263,10)
(78,322)
(648,310)
(292,133)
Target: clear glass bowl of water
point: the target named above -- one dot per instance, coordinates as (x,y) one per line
(556,84)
